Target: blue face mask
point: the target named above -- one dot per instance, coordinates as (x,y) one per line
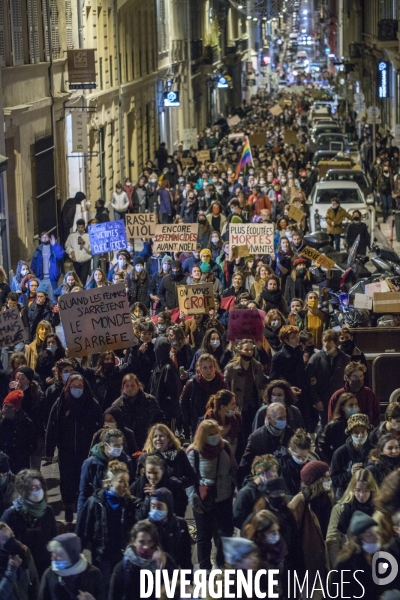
(76,392)
(158,515)
(280,424)
(351,411)
(213,440)
(59,565)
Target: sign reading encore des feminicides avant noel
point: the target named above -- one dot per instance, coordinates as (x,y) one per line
(96,320)
(258,237)
(181,237)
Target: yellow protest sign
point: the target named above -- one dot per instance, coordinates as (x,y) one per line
(196,299)
(295,213)
(318,257)
(203,155)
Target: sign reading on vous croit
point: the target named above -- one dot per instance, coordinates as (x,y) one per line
(383,79)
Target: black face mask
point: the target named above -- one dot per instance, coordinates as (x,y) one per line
(12,547)
(245,357)
(175,275)
(347,346)
(356,219)
(46,243)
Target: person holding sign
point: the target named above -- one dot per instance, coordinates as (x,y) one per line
(299,284)
(78,249)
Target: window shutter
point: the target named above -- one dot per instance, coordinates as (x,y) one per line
(68,24)
(162,34)
(55,37)
(16,33)
(34,55)
(2,43)
(46,33)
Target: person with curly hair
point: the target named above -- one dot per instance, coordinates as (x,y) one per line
(279,390)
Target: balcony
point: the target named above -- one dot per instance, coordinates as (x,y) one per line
(387,30)
(178,51)
(196,47)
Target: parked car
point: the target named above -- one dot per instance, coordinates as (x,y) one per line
(356,175)
(350,197)
(322,127)
(332,141)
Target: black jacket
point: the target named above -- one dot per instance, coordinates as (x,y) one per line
(329,378)
(139,288)
(298,288)
(35,534)
(382,467)
(174,537)
(355,229)
(331,438)
(18,439)
(349,508)
(352,589)
(140,413)
(178,466)
(167,291)
(261,442)
(244,502)
(37,313)
(290,471)
(52,587)
(125,580)
(106,529)
(7,493)
(195,396)
(143,363)
(171,483)
(342,461)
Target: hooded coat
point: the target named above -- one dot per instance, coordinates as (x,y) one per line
(140,412)
(56,256)
(130,444)
(37,313)
(165,384)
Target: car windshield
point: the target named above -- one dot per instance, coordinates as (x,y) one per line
(325,138)
(346,196)
(355,176)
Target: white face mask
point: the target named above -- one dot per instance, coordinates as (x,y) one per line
(230,413)
(114,452)
(273,538)
(213,440)
(279,399)
(215,343)
(139,268)
(299,461)
(359,441)
(276,323)
(36,496)
(327,484)
(371,548)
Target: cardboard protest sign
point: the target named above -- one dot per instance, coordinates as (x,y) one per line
(234,136)
(232,121)
(203,155)
(189,138)
(187,163)
(290,137)
(387,302)
(258,139)
(316,256)
(376,287)
(245,324)
(181,237)
(107,237)
(276,110)
(140,225)
(238,252)
(12,329)
(96,320)
(258,237)
(196,299)
(295,213)
(362,301)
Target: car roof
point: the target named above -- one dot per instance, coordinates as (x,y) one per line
(337,185)
(346,171)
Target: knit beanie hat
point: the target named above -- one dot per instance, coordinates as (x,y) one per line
(236,548)
(205,267)
(71,544)
(27,371)
(299,261)
(360,522)
(166,259)
(15,398)
(248,259)
(42,289)
(176,265)
(139,260)
(312,471)
(205,254)
(357,420)
(236,219)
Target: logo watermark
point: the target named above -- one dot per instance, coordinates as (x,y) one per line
(380,568)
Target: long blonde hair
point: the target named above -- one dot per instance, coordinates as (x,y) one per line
(173,440)
(202,433)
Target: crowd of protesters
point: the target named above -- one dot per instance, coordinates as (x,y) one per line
(264,454)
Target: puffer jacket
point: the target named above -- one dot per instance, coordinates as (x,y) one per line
(224,479)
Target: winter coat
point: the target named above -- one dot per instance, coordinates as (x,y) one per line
(140,412)
(35,534)
(72,429)
(195,396)
(107,388)
(342,460)
(367,402)
(21,583)
(165,201)
(331,438)
(293,415)
(358,585)
(329,378)
(288,364)
(7,493)
(171,483)
(334,219)
(382,467)
(4,291)
(33,405)
(189,211)
(139,288)
(52,394)
(165,384)
(167,291)
(174,538)
(290,472)
(143,363)
(235,378)
(245,500)
(177,464)
(56,256)
(18,439)
(268,300)
(68,212)
(297,288)
(196,331)
(53,587)
(45,363)
(140,198)
(262,442)
(106,529)
(358,229)
(94,470)
(125,580)
(382,430)
(120,201)
(207,474)
(312,540)
(37,313)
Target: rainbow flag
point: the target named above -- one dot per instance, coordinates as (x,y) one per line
(245,158)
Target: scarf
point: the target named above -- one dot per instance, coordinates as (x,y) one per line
(130,556)
(273,430)
(113,500)
(209,452)
(169,454)
(76,569)
(272,297)
(274,553)
(29,508)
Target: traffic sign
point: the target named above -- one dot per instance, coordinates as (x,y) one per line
(373,111)
(374,121)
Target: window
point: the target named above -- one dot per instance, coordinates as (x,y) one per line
(346,196)
(111,72)
(55,38)
(16,33)
(101,71)
(162,26)
(34,50)
(68,24)
(2,40)
(46,32)
(102,152)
